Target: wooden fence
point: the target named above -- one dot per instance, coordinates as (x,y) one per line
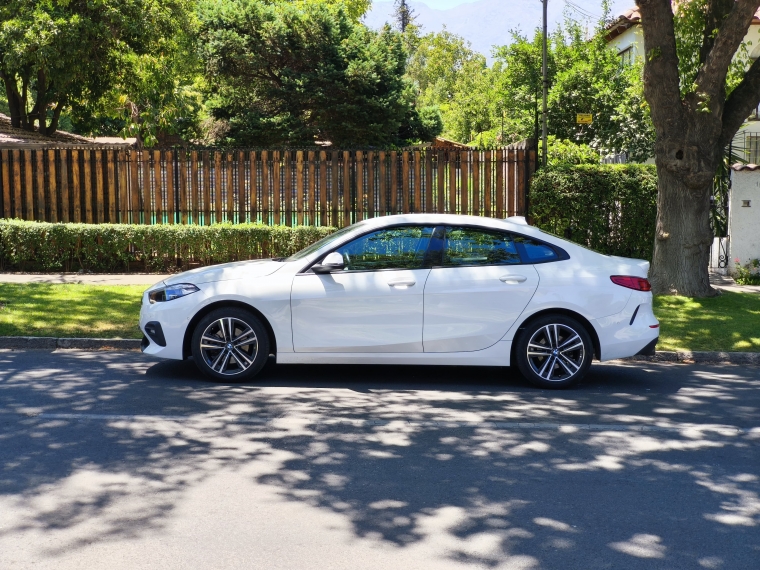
(313,187)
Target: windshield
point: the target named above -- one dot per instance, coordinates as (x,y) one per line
(322,243)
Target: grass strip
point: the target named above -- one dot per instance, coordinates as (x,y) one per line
(70,310)
(729,322)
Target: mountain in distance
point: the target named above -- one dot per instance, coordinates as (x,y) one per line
(485,23)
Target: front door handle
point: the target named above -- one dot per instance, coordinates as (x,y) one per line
(401,283)
(513,279)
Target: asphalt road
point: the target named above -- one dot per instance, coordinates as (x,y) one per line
(112,460)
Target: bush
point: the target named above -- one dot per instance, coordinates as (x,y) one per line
(748,274)
(610,208)
(37,246)
(566,153)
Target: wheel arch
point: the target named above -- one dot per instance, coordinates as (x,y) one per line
(567,313)
(186,350)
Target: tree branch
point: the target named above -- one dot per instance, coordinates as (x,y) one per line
(742,101)
(711,78)
(716,12)
(661,78)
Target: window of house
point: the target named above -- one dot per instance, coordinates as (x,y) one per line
(753,149)
(626,56)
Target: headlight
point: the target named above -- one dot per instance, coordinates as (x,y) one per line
(171,292)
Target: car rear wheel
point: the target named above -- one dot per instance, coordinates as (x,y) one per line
(230,344)
(554,351)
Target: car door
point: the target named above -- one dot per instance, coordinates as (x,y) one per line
(477,292)
(374,304)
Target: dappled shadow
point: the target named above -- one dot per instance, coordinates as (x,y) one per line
(431,472)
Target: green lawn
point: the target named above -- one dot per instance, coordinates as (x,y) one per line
(730,322)
(38,309)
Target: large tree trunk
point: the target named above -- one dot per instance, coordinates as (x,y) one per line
(682,237)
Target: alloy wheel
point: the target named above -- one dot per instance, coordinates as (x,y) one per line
(555,352)
(229,346)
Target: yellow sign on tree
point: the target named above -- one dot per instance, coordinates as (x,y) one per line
(584,118)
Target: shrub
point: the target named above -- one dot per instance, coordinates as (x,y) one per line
(610,208)
(38,246)
(748,274)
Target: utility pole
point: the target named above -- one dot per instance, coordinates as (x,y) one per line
(546,88)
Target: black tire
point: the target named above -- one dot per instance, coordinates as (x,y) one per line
(560,368)
(230,344)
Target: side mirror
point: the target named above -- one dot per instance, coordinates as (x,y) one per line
(332,262)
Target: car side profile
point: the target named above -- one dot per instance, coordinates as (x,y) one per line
(412,289)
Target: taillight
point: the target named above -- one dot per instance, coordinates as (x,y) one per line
(637,283)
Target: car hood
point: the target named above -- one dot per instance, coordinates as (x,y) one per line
(226,272)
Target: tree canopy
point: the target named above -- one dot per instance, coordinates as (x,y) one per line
(58,54)
(288,74)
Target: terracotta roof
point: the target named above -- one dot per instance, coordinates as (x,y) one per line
(12,135)
(740,167)
(632,17)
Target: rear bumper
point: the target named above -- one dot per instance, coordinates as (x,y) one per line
(648,350)
(633,331)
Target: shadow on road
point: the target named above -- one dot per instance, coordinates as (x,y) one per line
(537,498)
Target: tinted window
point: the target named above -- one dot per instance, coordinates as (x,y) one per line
(533,251)
(394,248)
(468,246)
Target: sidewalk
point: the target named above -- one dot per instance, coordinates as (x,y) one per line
(725,283)
(84,278)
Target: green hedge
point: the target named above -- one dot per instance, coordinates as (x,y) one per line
(36,246)
(610,208)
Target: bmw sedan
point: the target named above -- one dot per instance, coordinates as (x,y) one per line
(412,289)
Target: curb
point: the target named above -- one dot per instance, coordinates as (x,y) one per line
(698,356)
(52,343)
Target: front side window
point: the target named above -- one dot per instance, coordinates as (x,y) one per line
(469,246)
(392,248)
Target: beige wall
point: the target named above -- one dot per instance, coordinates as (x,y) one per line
(743,221)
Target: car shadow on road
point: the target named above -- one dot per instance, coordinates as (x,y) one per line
(103,447)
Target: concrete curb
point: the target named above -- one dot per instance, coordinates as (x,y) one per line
(52,343)
(698,356)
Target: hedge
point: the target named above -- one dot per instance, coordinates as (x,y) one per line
(39,246)
(610,208)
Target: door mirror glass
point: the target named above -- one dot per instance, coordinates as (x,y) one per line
(332,262)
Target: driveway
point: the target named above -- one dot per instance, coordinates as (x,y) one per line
(112,460)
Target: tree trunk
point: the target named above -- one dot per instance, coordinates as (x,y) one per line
(683,236)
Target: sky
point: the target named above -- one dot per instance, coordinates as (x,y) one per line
(592,6)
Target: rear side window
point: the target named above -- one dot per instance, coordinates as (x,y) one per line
(470,246)
(533,251)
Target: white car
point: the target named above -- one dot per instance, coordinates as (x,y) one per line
(413,289)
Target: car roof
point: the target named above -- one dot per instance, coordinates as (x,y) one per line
(448,219)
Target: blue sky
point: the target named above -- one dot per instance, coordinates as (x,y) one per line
(592,6)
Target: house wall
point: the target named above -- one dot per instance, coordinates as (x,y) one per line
(632,37)
(743,221)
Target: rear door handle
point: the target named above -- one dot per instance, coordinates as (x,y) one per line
(401,283)
(513,279)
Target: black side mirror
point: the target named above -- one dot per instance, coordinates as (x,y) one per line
(332,262)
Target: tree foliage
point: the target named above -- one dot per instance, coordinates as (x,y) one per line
(292,74)
(56,54)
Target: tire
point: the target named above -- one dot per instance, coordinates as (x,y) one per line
(230,344)
(560,368)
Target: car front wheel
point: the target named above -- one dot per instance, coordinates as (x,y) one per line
(230,344)
(554,351)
